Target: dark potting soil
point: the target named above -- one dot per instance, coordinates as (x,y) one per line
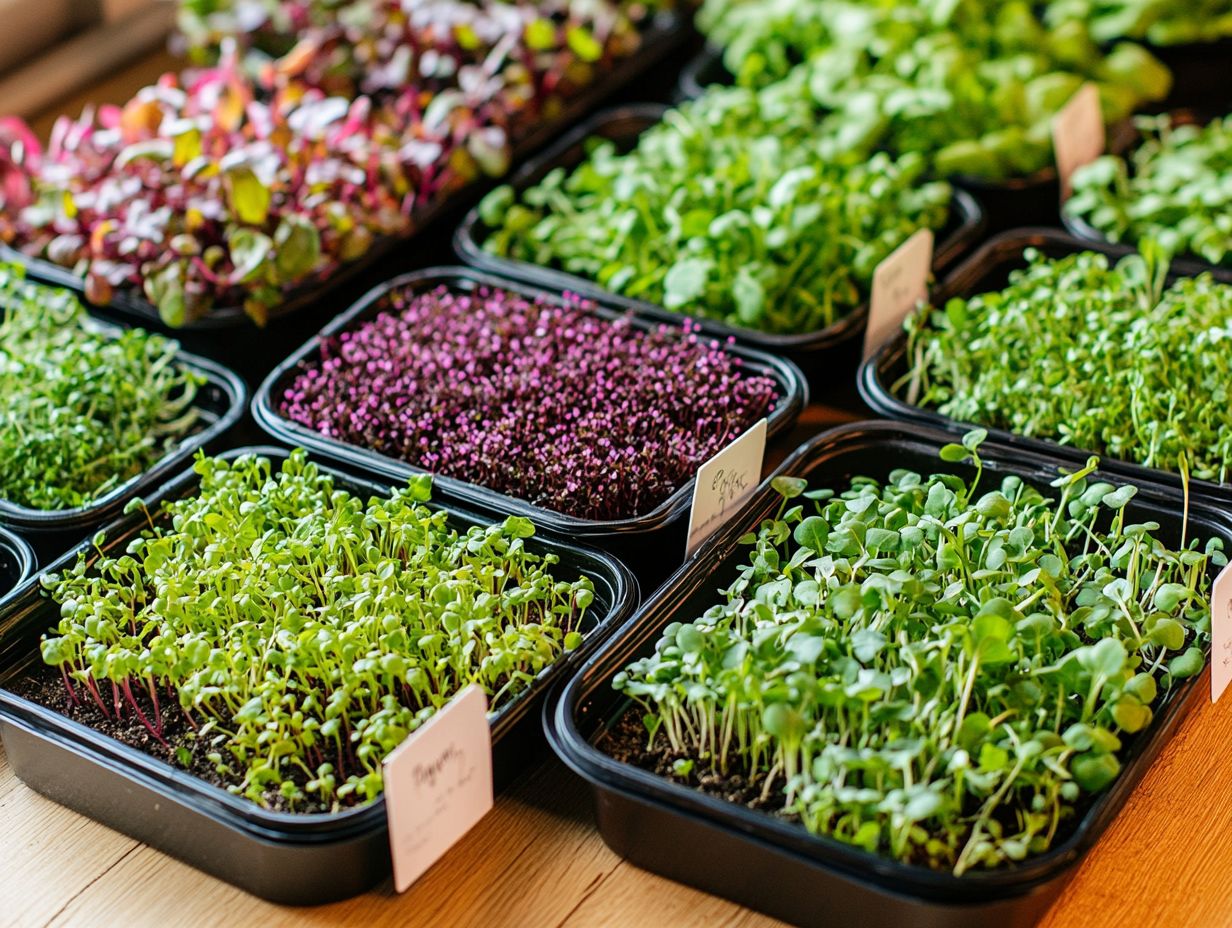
(626,742)
(43,685)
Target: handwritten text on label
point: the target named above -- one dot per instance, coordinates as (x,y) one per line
(724,482)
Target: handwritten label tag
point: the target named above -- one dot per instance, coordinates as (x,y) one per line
(724,482)
(899,283)
(1077,135)
(1221,633)
(438,785)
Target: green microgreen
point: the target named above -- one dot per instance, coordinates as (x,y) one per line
(735,207)
(82,410)
(1101,357)
(934,668)
(971,85)
(304,633)
(1176,189)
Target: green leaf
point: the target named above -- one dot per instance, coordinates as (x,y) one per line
(519,527)
(1189,663)
(1094,772)
(297,248)
(783,722)
(1106,657)
(165,289)
(250,252)
(583,44)
(686,282)
(789,487)
(1169,633)
(812,533)
(540,36)
(1130,714)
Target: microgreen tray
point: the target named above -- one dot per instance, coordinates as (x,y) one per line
(987,270)
(819,354)
(220,402)
(651,543)
(1007,204)
(285,857)
(665,32)
(775,865)
(1078,226)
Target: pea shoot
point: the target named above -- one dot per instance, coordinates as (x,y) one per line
(82,410)
(933,668)
(301,632)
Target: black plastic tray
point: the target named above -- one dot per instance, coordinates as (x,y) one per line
(988,269)
(16,564)
(285,857)
(758,860)
(653,542)
(821,354)
(1018,201)
(221,401)
(664,33)
(1185,264)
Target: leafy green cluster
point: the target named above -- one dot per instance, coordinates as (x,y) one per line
(303,632)
(1176,189)
(735,207)
(928,671)
(1103,358)
(1160,22)
(81,410)
(972,85)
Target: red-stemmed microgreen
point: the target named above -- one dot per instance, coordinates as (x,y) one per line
(301,632)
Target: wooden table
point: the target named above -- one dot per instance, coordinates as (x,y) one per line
(537,861)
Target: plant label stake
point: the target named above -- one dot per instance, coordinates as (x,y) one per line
(724,482)
(1077,135)
(900,282)
(1221,633)
(438,785)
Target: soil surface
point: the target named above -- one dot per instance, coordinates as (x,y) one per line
(43,685)
(626,742)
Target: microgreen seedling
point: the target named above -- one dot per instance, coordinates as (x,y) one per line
(82,410)
(549,403)
(931,668)
(301,632)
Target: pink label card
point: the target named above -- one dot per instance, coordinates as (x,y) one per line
(1077,135)
(724,482)
(1221,633)
(438,785)
(900,282)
